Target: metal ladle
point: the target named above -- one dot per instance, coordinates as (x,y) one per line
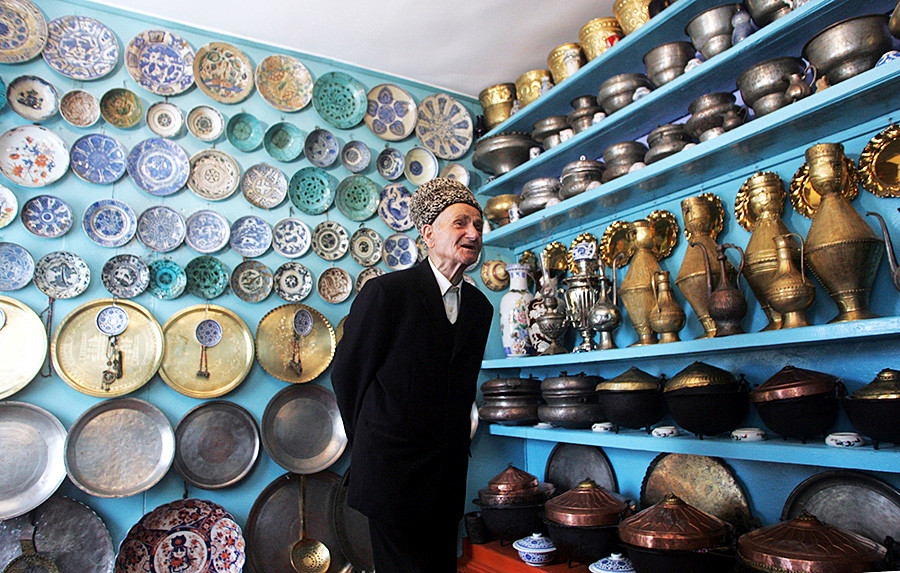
(30,561)
(308,555)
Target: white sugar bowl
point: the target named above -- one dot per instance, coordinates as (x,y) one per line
(748,435)
(665,431)
(844,440)
(615,563)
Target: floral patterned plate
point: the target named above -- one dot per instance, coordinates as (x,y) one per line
(330,240)
(158,166)
(284,82)
(62,275)
(33,98)
(165,119)
(251,281)
(357,197)
(207,231)
(81,48)
(207,277)
(264,186)
(9,206)
(394,207)
(391,112)
(223,72)
(125,276)
(399,252)
(244,131)
(444,126)
(121,108)
(335,285)
(293,281)
(161,229)
(24,33)
(340,99)
(321,147)
(215,175)
(32,156)
(251,236)
(47,216)
(291,238)
(98,158)
(79,108)
(365,247)
(161,62)
(205,123)
(16,266)
(312,190)
(109,223)
(167,279)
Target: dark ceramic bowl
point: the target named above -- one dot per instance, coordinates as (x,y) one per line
(708,411)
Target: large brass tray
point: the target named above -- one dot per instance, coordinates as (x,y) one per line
(23,345)
(275,338)
(228,362)
(78,350)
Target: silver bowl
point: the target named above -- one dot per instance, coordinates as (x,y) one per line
(765,86)
(583,110)
(710,31)
(765,12)
(501,153)
(664,141)
(547,131)
(618,91)
(620,157)
(578,176)
(666,62)
(536,193)
(713,114)
(849,47)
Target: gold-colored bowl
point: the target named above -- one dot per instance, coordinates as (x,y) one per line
(565,61)
(632,14)
(497,103)
(528,86)
(497,208)
(599,35)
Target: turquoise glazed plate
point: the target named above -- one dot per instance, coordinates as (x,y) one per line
(340,99)
(357,197)
(312,190)
(283,141)
(167,279)
(244,131)
(207,277)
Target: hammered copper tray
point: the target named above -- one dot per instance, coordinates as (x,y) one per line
(302,429)
(216,444)
(850,500)
(23,345)
(570,464)
(274,522)
(119,447)
(352,529)
(274,344)
(228,362)
(32,453)
(67,532)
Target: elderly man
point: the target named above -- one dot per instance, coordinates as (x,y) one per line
(404,374)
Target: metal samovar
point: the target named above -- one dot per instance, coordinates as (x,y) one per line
(582,293)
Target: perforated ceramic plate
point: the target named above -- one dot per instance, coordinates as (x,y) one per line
(357,197)
(207,277)
(340,99)
(312,190)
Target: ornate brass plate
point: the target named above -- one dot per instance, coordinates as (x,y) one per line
(717,212)
(615,240)
(23,345)
(666,227)
(494,275)
(275,344)
(228,362)
(79,349)
(555,256)
(879,163)
(742,211)
(806,199)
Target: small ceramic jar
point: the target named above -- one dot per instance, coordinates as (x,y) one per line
(535,549)
(615,563)
(665,432)
(748,435)
(603,427)
(844,440)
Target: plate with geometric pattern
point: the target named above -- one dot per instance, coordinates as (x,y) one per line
(444,126)
(98,158)
(312,190)
(47,216)
(215,175)
(264,186)
(24,31)
(81,48)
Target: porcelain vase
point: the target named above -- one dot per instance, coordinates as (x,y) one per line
(514,313)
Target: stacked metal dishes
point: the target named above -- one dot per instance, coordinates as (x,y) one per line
(498,154)
(620,158)
(512,503)
(511,401)
(538,194)
(849,47)
(666,140)
(584,109)
(632,399)
(618,91)
(875,408)
(548,131)
(798,403)
(579,176)
(706,400)
(571,401)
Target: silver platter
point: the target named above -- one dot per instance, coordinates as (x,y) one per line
(31,447)
(570,464)
(352,529)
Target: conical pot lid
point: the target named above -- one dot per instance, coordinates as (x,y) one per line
(807,544)
(672,524)
(631,380)
(700,374)
(792,382)
(586,505)
(512,479)
(885,386)
(511,387)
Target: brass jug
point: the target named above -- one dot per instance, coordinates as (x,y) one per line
(758,208)
(842,250)
(703,220)
(895,271)
(666,318)
(605,316)
(726,304)
(789,292)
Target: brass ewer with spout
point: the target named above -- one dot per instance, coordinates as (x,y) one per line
(889,247)
(667,317)
(703,221)
(842,250)
(789,292)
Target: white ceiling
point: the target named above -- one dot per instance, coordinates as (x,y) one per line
(463,46)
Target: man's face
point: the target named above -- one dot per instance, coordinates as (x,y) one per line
(455,236)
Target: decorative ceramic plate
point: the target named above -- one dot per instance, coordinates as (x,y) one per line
(119,448)
(292,281)
(98,158)
(321,147)
(365,247)
(264,186)
(216,443)
(32,156)
(24,31)
(444,126)
(391,112)
(399,252)
(47,216)
(167,279)
(33,98)
(291,238)
(215,175)
(363,277)
(251,281)
(330,240)
(357,197)
(81,48)
(244,131)
(19,363)
(79,108)
(422,248)
(112,320)
(62,275)
(207,231)
(9,206)
(161,229)
(158,166)
(389,163)
(456,171)
(312,190)
(420,166)
(207,277)
(109,223)
(283,141)
(16,266)
(165,119)
(340,99)
(121,108)
(355,156)
(284,82)
(289,355)
(251,236)
(161,62)
(335,285)
(394,207)
(569,464)
(223,72)
(125,276)
(205,123)
(32,444)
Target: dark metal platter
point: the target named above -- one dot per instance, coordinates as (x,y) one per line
(274,522)
(570,464)
(851,500)
(352,530)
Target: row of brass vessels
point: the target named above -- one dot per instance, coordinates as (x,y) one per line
(840,249)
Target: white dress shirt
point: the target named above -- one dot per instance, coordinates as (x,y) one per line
(449,292)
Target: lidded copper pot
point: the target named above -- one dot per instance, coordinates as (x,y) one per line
(632,399)
(875,408)
(512,503)
(706,400)
(798,403)
(510,401)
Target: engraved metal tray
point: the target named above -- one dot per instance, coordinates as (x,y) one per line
(570,464)
(23,345)
(274,344)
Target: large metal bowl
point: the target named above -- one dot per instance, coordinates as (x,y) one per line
(618,91)
(666,62)
(849,47)
(764,85)
(501,153)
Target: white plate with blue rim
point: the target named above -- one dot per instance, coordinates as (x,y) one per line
(420,166)
(158,166)
(109,223)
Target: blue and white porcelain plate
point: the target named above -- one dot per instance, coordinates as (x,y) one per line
(264,186)
(16,266)
(207,231)
(330,240)
(81,48)
(112,320)
(365,275)
(161,229)
(321,147)
(62,275)
(251,281)
(9,206)
(208,332)
(251,236)
(365,246)
(47,216)
(215,175)
(33,156)
(391,112)
(23,31)
(167,279)
(303,322)
(420,166)
(165,119)
(340,99)
(125,276)
(33,98)
(291,238)
(292,281)
(394,207)
(98,158)
(158,166)
(456,171)
(389,163)
(444,126)
(355,156)
(399,252)
(109,223)
(161,62)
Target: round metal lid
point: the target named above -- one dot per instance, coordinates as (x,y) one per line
(698,375)
(512,479)
(586,505)
(23,345)
(672,524)
(885,386)
(632,379)
(792,382)
(511,387)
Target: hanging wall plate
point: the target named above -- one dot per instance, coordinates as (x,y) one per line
(223,72)
(79,108)
(264,186)
(33,156)
(284,82)
(26,34)
(98,158)
(62,275)
(275,344)
(161,62)
(391,112)
(23,345)
(81,48)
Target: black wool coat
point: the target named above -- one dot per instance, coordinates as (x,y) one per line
(405,381)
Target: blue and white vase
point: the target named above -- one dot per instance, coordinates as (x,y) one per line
(514,313)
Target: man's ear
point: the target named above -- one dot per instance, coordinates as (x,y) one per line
(428,234)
